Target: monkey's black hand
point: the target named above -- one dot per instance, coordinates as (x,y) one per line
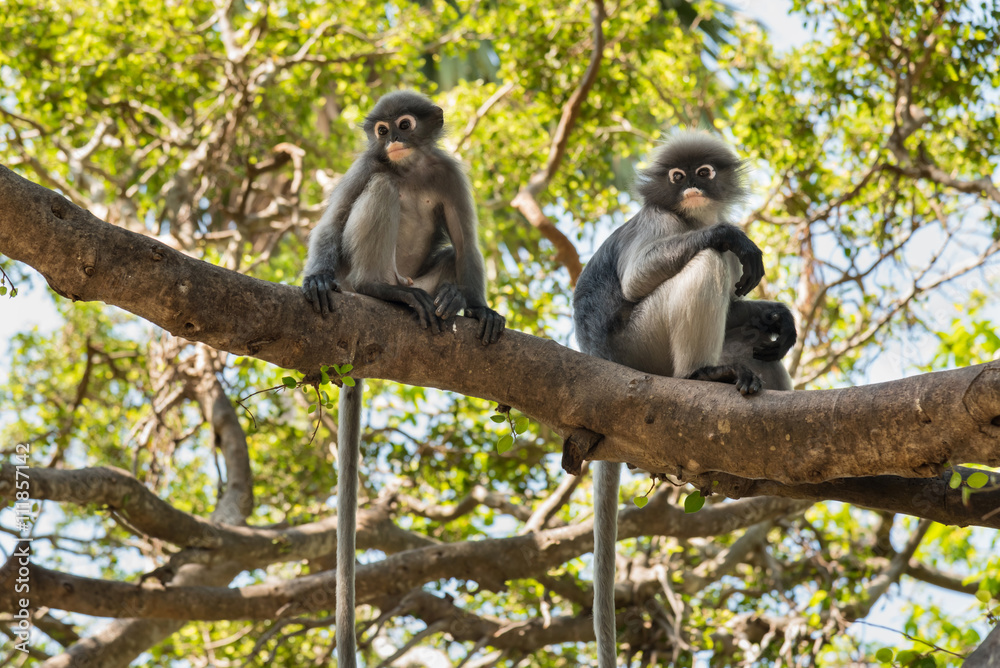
(318,290)
(777,333)
(491,323)
(448,301)
(732,238)
(740,375)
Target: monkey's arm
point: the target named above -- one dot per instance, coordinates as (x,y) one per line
(645,263)
(768,327)
(470,271)
(326,240)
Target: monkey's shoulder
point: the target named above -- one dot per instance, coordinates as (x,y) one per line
(434,171)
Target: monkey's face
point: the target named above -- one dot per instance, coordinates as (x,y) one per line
(401,125)
(695,175)
(696,190)
(395,137)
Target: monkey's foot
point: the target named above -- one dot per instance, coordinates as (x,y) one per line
(448,301)
(740,375)
(576,447)
(491,323)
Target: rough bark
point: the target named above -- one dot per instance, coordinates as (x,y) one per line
(931,498)
(909,428)
(491,563)
(987,655)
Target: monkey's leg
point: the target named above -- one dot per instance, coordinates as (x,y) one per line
(439,276)
(606,481)
(349,455)
(738,374)
(415,298)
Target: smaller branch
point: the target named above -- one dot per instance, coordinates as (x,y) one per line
(925,573)
(478,496)
(484,108)
(880,584)
(929,498)
(559,498)
(526,200)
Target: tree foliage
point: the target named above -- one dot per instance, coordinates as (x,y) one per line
(219,128)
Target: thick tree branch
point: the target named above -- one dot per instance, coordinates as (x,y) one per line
(930,498)
(210,542)
(489,562)
(910,427)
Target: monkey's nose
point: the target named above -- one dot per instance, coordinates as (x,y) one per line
(693,192)
(397,150)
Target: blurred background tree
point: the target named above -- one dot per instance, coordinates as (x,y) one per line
(219,128)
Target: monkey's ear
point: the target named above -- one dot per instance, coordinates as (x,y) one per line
(436,117)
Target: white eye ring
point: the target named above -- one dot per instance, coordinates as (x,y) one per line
(676,175)
(710,173)
(381,129)
(406,117)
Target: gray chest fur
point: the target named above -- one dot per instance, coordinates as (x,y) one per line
(420,216)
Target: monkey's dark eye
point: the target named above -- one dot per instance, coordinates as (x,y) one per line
(676,175)
(706,172)
(381,128)
(406,122)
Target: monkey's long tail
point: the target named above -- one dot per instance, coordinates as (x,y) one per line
(348,454)
(606,480)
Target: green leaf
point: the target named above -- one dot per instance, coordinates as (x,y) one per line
(927,662)
(348,381)
(906,656)
(312,408)
(984,596)
(505,444)
(956,480)
(289,382)
(521,424)
(324,377)
(884,655)
(346,368)
(694,502)
(498,418)
(978,480)
(640,501)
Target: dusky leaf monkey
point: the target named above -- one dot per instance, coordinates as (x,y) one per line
(400,226)
(658,295)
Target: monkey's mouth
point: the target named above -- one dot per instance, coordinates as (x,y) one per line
(693,199)
(397,151)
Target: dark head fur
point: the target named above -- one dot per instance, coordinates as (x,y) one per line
(688,152)
(392,107)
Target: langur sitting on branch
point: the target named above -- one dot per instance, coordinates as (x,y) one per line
(400,226)
(658,296)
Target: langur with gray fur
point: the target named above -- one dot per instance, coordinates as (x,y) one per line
(656,297)
(400,226)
